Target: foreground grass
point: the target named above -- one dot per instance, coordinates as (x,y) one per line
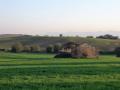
(43,72)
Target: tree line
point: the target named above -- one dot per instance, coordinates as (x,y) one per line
(19,47)
(107,36)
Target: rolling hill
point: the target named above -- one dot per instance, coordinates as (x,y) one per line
(7,40)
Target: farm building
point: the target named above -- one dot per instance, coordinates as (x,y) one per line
(75,50)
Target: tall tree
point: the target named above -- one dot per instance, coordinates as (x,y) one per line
(18,47)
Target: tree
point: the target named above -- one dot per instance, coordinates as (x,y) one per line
(50,49)
(89,37)
(78,51)
(35,48)
(57,47)
(61,35)
(69,45)
(27,48)
(18,47)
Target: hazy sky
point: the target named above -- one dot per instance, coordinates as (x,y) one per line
(52,16)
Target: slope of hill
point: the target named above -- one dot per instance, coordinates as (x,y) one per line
(9,35)
(104,44)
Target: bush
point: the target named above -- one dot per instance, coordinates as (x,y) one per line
(107,52)
(2,49)
(64,55)
(89,37)
(50,49)
(61,35)
(35,48)
(57,47)
(27,48)
(117,51)
(18,47)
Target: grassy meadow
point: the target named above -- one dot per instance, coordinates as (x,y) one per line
(44,72)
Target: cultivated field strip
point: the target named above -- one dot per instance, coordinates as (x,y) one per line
(43,72)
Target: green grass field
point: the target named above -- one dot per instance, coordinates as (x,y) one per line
(43,72)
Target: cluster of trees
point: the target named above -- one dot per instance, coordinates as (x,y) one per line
(19,47)
(90,37)
(108,36)
(75,50)
(54,48)
(114,52)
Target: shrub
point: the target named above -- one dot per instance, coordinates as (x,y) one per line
(107,52)
(117,51)
(18,47)
(64,55)
(57,47)
(35,48)
(27,48)
(89,37)
(78,51)
(2,49)
(50,49)
(61,35)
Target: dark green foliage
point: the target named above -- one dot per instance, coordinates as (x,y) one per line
(2,49)
(64,55)
(57,47)
(107,36)
(117,51)
(107,52)
(61,35)
(90,37)
(35,48)
(69,45)
(18,47)
(50,49)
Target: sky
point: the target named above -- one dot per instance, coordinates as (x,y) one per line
(59,16)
